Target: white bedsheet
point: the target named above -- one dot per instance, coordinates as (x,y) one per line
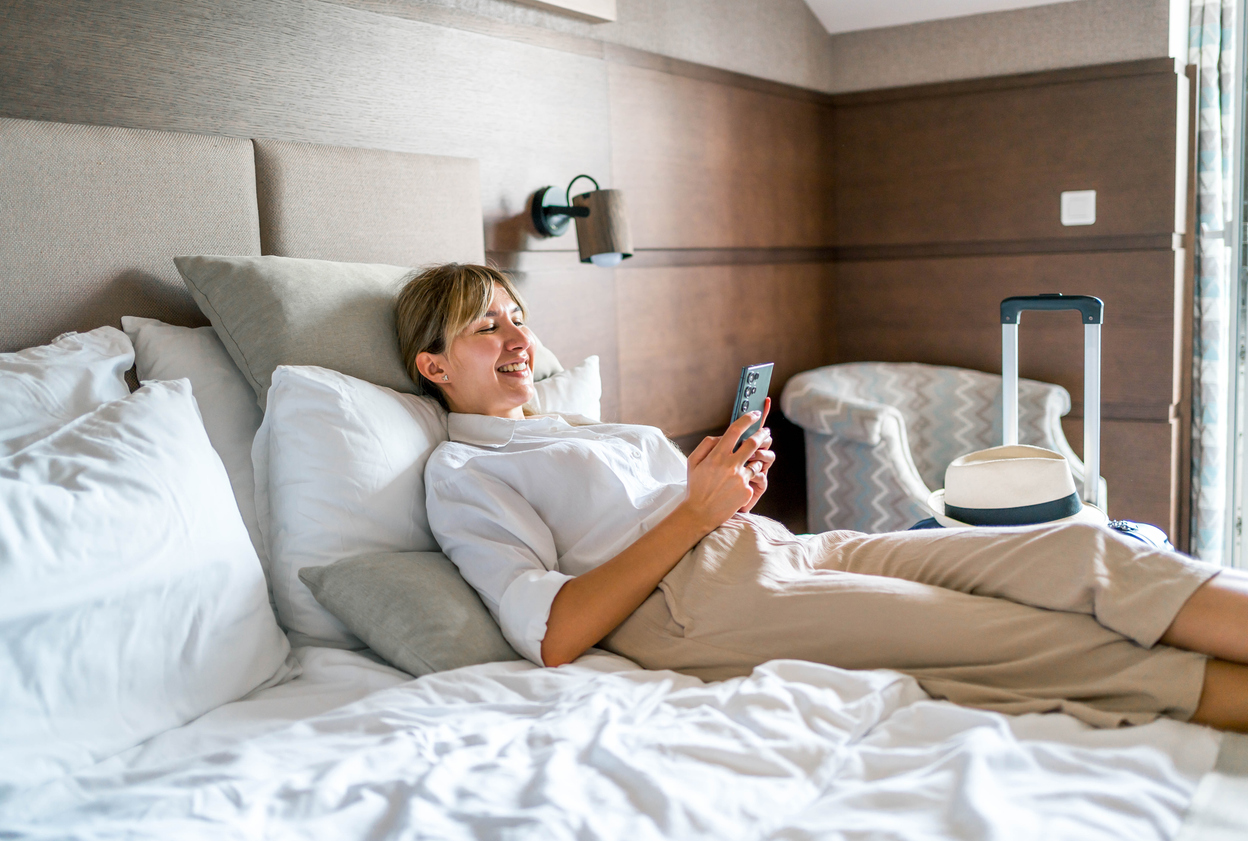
(602,749)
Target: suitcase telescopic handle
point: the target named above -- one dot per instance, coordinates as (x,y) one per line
(1091,313)
(1091,310)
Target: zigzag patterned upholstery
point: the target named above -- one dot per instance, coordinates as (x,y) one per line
(879,435)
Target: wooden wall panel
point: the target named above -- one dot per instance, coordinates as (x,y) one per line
(573,311)
(685,333)
(946,311)
(973,165)
(710,165)
(1135,459)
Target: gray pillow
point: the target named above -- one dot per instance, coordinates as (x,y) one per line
(271,311)
(412,608)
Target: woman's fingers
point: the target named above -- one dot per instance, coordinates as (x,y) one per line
(758,482)
(725,476)
(738,427)
(733,434)
(703,449)
(757,485)
(749,447)
(765,453)
(764,459)
(718,485)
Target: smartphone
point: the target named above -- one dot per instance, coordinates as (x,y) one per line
(751,392)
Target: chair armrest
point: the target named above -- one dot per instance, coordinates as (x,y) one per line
(817,409)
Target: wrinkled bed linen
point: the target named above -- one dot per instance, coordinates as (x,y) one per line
(601,750)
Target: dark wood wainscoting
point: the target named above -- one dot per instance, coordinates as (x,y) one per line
(946,311)
(947,201)
(954,163)
(686,332)
(709,165)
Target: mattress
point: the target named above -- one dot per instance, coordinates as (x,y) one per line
(601,749)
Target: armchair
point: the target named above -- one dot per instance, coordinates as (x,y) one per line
(879,435)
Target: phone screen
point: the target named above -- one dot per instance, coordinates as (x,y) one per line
(751,392)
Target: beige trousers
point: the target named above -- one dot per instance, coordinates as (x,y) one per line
(1061,617)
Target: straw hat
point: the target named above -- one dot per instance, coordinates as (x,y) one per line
(1015,485)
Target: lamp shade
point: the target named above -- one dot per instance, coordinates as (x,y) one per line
(605,230)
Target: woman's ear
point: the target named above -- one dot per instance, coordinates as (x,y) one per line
(431,366)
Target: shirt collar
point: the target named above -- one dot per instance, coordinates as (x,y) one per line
(488,431)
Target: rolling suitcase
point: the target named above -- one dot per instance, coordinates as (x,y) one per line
(1091,311)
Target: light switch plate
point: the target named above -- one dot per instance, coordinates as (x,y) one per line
(1079,207)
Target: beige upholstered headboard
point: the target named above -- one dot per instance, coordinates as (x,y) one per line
(91,217)
(368,206)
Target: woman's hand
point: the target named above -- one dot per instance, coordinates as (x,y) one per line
(720,484)
(759,464)
(762,461)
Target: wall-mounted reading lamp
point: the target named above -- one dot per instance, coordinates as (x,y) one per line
(602,233)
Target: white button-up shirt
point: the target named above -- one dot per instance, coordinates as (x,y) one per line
(521,506)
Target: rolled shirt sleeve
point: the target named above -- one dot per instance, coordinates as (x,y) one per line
(502,548)
(525,607)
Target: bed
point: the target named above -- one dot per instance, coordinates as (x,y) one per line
(338,743)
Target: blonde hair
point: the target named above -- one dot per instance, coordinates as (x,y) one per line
(436,304)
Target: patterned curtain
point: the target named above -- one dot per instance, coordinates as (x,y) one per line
(1211,45)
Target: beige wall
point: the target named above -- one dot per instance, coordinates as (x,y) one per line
(1021,41)
(780,40)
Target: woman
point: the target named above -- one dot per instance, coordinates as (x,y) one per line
(578,534)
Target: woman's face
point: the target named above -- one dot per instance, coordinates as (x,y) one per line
(487,370)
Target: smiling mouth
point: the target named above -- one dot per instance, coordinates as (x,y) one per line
(514,367)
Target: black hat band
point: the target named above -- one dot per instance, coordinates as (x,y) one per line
(1022,515)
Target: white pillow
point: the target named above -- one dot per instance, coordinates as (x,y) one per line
(226,400)
(339,472)
(46,387)
(130,598)
(575,391)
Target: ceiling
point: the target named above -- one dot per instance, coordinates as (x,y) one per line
(850,15)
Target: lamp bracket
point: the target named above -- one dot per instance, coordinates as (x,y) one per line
(550,219)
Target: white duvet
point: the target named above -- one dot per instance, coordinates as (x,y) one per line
(601,749)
